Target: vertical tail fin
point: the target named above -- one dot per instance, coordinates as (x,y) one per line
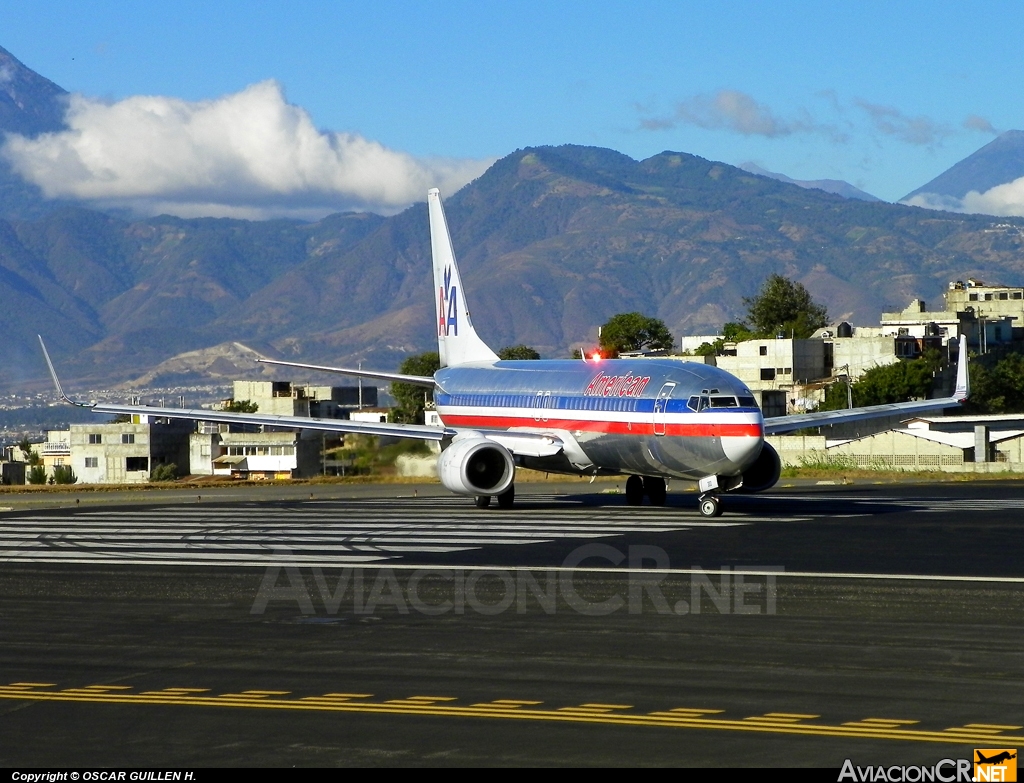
(457,340)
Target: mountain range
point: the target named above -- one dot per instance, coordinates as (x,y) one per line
(837,186)
(552,242)
(998,162)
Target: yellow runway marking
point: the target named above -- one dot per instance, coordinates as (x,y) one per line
(515,709)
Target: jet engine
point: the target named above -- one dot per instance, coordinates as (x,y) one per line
(476,466)
(764,473)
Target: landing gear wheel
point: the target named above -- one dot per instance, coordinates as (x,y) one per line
(710,506)
(655,490)
(507,498)
(482,501)
(634,490)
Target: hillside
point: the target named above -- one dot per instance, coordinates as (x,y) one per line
(837,186)
(552,240)
(29,104)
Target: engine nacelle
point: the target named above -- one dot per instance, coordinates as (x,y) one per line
(764,473)
(476,466)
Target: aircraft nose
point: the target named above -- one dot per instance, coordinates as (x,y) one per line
(742,450)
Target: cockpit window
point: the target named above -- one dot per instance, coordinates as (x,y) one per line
(722,401)
(748,402)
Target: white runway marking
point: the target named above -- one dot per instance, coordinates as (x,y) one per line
(326,533)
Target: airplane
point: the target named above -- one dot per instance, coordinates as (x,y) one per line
(996,759)
(650,419)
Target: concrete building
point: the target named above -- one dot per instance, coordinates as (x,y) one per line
(53,452)
(283,398)
(941,326)
(127,452)
(987,301)
(261,455)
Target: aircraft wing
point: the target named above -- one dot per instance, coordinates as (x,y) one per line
(421,431)
(524,443)
(780,424)
(418,380)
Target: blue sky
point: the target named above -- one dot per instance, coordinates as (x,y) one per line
(877,94)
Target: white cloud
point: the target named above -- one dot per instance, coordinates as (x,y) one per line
(737,112)
(1005,200)
(976,123)
(920,130)
(249,154)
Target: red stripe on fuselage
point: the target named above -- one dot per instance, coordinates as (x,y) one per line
(688,430)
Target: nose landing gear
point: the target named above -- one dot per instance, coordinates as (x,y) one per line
(709,505)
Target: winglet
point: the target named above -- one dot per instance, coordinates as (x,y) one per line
(56,382)
(963,376)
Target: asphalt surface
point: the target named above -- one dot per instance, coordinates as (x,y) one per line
(803,627)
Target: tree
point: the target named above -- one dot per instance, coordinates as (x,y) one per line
(998,389)
(64,474)
(410,397)
(241,406)
(633,332)
(518,352)
(782,306)
(37,475)
(31,457)
(899,382)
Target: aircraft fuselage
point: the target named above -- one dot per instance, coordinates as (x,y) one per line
(651,417)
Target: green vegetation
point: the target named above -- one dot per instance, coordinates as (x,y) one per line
(167,471)
(369,457)
(784,307)
(899,382)
(820,460)
(36,475)
(518,352)
(410,397)
(633,332)
(998,388)
(241,406)
(63,474)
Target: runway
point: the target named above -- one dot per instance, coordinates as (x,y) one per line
(881,624)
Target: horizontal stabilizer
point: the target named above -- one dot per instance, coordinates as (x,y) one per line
(394,377)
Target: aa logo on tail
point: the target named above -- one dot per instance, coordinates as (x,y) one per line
(448,315)
(998,764)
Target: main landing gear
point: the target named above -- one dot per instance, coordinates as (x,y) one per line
(505,500)
(651,486)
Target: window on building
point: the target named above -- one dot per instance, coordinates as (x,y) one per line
(127,437)
(972,297)
(767,373)
(136,463)
(988,297)
(763,350)
(60,460)
(94,438)
(1004,296)
(92,462)
(1017,295)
